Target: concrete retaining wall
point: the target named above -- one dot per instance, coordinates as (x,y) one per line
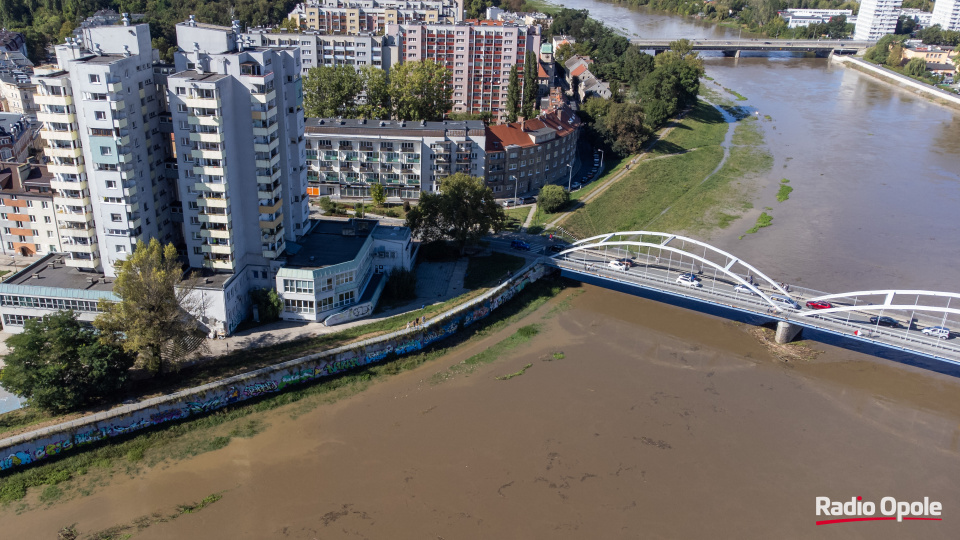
(947,98)
(27,448)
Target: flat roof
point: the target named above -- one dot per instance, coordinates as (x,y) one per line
(330,242)
(102,58)
(50,272)
(357,126)
(199,77)
(391,232)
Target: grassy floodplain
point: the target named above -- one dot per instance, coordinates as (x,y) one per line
(673,189)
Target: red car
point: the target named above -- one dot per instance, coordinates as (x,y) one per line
(819,304)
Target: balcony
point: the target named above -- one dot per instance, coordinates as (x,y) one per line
(219,249)
(59,135)
(86,232)
(91,264)
(120,123)
(210,187)
(268,163)
(216,138)
(271,208)
(214,233)
(214,218)
(58,117)
(210,170)
(201,103)
(212,202)
(58,185)
(269,236)
(205,120)
(115,88)
(266,147)
(71,153)
(80,248)
(272,223)
(265,191)
(264,98)
(411,159)
(74,216)
(206,154)
(50,99)
(218,264)
(71,201)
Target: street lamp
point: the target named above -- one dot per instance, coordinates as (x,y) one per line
(570,176)
(515,184)
(601,161)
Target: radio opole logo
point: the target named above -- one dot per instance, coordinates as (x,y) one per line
(889,509)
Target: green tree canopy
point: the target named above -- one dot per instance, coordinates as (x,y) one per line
(463,211)
(379,194)
(376,86)
(153,317)
(513,95)
(552,198)
(916,67)
(331,91)
(530,85)
(58,365)
(420,90)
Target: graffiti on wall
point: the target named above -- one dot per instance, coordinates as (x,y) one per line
(314,368)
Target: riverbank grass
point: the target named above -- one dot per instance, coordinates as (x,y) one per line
(785,190)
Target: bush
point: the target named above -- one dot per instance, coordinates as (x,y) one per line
(406,206)
(552,198)
(328,206)
(268,302)
(401,285)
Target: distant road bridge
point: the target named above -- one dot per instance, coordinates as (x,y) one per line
(733,47)
(901,325)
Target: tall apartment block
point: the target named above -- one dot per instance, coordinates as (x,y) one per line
(346,157)
(946,13)
(876,19)
(478,53)
(238,128)
(100,116)
(325,49)
(355,17)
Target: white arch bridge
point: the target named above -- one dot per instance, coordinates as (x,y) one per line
(688,272)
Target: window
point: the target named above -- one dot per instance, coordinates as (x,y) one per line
(100,115)
(116,217)
(95,79)
(345,277)
(121,249)
(297,286)
(325,303)
(197,250)
(298,306)
(106,151)
(346,298)
(111,184)
(326,284)
(181,91)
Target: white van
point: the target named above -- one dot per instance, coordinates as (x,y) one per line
(941,332)
(784,301)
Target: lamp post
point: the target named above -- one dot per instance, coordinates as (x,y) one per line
(601,161)
(515,184)
(569,176)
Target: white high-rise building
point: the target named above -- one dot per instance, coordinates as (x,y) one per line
(876,19)
(100,116)
(946,13)
(238,128)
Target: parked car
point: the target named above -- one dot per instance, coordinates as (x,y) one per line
(685,279)
(509,202)
(529,200)
(743,289)
(819,304)
(576,186)
(520,244)
(617,265)
(885,321)
(941,332)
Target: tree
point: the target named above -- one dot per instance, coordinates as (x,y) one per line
(895,56)
(153,315)
(376,87)
(513,95)
(624,129)
(420,90)
(331,91)
(563,53)
(530,85)
(58,365)
(379,194)
(916,67)
(464,211)
(552,198)
(268,302)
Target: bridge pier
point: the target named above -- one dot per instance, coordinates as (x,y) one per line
(786,332)
(731,53)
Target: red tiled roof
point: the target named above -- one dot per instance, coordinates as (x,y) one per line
(579,70)
(541,73)
(563,120)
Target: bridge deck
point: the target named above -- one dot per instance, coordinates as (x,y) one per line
(798,45)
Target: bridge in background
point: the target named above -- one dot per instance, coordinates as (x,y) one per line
(733,47)
(730,287)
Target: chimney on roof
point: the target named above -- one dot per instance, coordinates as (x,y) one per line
(126,19)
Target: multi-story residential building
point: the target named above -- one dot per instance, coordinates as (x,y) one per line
(346,157)
(16,92)
(13,42)
(360,16)
(100,117)
(946,13)
(326,49)
(524,156)
(16,137)
(238,124)
(28,223)
(479,55)
(876,18)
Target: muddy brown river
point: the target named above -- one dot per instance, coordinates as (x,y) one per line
(655,423)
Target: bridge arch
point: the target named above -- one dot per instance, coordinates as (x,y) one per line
(669,243)
(922,302)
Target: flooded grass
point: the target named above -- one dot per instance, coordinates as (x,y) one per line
(785,190)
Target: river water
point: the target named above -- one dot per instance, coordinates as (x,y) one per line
(873,167)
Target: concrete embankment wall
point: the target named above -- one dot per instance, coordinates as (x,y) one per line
(936,94)
(34,446)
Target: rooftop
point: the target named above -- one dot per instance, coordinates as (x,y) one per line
(330,242)
(49,271)
(355,126)
(391,232)
(192,75)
